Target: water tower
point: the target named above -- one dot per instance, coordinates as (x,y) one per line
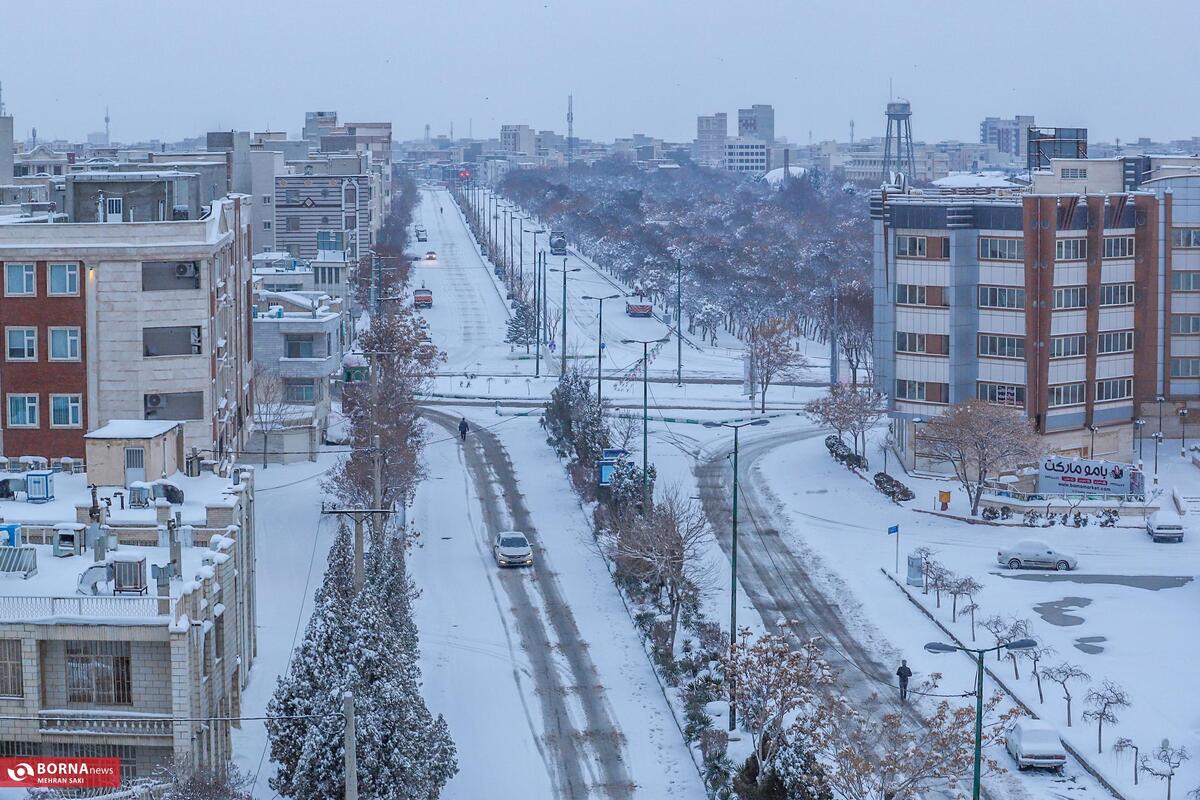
(898,146)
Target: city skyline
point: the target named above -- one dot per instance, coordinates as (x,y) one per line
(438,74)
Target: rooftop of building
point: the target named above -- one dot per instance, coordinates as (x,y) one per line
(102,176)
(133,429)
(283,307)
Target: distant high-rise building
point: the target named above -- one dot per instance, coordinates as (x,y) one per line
(6,150)
(1043,144)
(711,133)
(1009,135)
(518,140)
(318,123)
(757,122)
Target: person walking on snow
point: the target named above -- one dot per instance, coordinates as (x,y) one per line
(463,429)
(904,673)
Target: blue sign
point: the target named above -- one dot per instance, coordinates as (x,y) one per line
(892,531)
(613,452)
(605,468)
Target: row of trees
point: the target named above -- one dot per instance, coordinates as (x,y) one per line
(361,638)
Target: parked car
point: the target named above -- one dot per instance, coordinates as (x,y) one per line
(422,298)
(1165,526)
(1033,554)
(430,255)
(512,550)
(1033,743)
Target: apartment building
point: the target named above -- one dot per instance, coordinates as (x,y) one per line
(747,155)
(518,140)
(1042,302)
(126,320)
(325,203)
(711,135)
(1008,135)
(757,122)
(129,638)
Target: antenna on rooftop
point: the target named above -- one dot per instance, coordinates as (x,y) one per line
(107,139)
(2,114)
(852,133)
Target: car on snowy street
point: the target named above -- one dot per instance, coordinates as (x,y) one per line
(1032,554)
(1033,743)
(430,255)
(512,550)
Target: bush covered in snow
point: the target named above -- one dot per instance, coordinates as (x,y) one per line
(843,454)
(893,488)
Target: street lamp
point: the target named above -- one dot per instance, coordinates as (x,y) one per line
(1138,424)
(1158,437)
(1159,400)
(1092,447)
(733,555)
(563,343)
(679,322)
(600,348)
(645,343)
(938,648)
(535,232)
(1183,412)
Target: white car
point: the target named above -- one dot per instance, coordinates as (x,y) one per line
(512,549)
(1033,743)
(1031,554)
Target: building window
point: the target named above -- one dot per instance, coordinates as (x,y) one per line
(1185,281)
(1068,346)
(21,344)
(1001,297)
(1185,237)
(267,199)
(99,673)
(910,246)
(19,280)
(11,683)
(1070,250)
(1116,294)
(1114,342)
(66,411)
(1001,249)
(1185,323)
(1070,297)
(176,340)
(299,392)
(266,225)
(114,207)
(64,344)
(64,280)
(1066,394)
(1002,394)
(298,347)
(293,224)
(162,276)
(908,294)
(349,197)
(1114,389)
(331,240)
(173,405)
(1074,173)
(292,197)
(922,391)
(1185,367)
(1001,346)
(1118,246)
(23,411)
(936,344)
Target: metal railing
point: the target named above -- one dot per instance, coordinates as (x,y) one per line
(83,722)
(15,608)
(994,489)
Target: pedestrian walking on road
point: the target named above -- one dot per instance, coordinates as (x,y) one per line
(904,673)
(463,429)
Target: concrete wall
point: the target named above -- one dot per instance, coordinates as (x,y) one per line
(6,150)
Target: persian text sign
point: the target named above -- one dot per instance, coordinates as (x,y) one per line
(1059,474)
(61,773)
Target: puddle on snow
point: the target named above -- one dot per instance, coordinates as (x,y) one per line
(1056,611)
(1153,583)
(1090,644)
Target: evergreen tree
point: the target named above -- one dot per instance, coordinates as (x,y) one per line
(522,328)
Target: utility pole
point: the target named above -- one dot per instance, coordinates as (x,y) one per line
(645,343)
(563,343)
(377,480)
(537,313)
(833,339)
(351,747)
(679,322)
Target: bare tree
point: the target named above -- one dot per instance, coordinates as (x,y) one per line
(940,580)
(979,440)
(1105,702)
(1166,759)
(270,403)
(1064,674)
(772,356)
(998,627)
(1125,743)
(1035,655)
(1017,629)
(926,555)
(624,431)
(969,610)
(962,587)
(773,683)
(664,550)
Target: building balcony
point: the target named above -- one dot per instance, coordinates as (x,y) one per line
(103,722)
(112,609)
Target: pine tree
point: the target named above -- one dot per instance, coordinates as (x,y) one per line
(522,328)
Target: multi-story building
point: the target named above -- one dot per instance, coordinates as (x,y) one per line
(518,140)
(757,122)
(40,160)
(316,125)
(134,640)
(1008,135)
(1043,144)
(126,320)
(747,155)
(324,203)
(711,135)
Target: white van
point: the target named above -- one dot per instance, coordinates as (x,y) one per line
(1165,526)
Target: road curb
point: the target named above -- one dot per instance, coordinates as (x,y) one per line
(1083,762)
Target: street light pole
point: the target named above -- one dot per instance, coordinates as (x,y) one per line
(939,648)
(1183,415)
(537,316)
(645,343)
(1158,437)
(535,232)
(1092,447)
(563,343)
(600,349)
(733,556)
(1138,425)
(679,322)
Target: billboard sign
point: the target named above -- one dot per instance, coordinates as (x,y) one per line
(1060,474)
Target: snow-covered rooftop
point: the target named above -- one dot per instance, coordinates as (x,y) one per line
(976,180)
(775,176)
(132,429)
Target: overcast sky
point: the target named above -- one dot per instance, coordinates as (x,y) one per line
(170,68)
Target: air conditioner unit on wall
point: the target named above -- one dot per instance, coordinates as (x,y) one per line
(186,269)
(155,401)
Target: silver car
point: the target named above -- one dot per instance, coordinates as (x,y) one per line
(512,549)
(1032,554)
